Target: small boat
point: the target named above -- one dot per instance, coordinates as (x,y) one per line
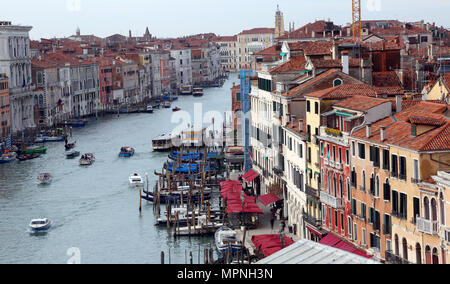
(176,109)
(7,157)
(197,92)
(166,104)
(186,90)
(70,154)
(149,109)
(69,146)
(38,225)
(226,240)
(26,157)
(156,106)
(54,138)
(126,152)
(40,139)
(35,149)
(87,159)
(136,180)
(45,178)
(78,123)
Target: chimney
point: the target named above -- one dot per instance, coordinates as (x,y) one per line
(413,130)
(294,120)
(398,100)
(368,130)
(345,62)
(300,125)
(383,133)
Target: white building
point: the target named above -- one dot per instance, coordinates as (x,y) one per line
(183,65)
(15,62)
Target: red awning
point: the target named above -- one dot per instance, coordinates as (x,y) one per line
(333,241)
(314,231)
(268,199)
(231,191)
(270,244)
(250,176)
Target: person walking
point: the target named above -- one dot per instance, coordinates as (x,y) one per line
(272,221)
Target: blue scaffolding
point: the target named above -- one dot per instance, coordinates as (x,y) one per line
(246,124)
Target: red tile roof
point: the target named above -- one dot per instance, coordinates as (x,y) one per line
(258,31)
(344,91)
(360,103)
(326,63)
(312,47)
(295,64)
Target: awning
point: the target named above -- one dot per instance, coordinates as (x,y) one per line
(268,199)
(250,176)
(333,241)
(270,244)
(314,231)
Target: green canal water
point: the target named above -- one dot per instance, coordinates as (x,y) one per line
(94,211)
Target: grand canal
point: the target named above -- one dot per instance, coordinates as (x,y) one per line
(94,211)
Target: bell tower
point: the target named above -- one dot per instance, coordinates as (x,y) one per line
(279,23)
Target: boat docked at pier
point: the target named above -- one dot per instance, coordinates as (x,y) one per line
(226,240)
(197,92)
(176,195)
(136,180)
(163,143)
(149,109)
(186,90)
(39,225)
(45,178)
(8,157)
(87,159)
(126,152)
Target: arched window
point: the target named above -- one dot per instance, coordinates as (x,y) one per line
(418,254)
(433,209)
(427,255)
(426,208)
(435,256)
(405,249)
(341,187)
(337,82)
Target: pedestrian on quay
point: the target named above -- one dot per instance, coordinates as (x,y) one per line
(272,221)
(282,226)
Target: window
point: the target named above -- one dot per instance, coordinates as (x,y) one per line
(308,106)
(395,210)
(337,82)
(416,170)
(394,166)
(362,151)
(363,211)
(402,168)
(355,229)
(364,237)
(347,157)
(403,206)
(342,223)
(353,149)
(316,108)
(387,191)
(387,225)
(354,209)
(416,203)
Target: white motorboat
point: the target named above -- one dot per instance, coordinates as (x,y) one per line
(136,180)
(226,240)
(38,225)
(45,178)
(166,104)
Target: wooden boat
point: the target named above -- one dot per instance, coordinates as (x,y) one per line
(226,240)
(7,157)
(87,159)
(35,149)
(197,92)
(38,225)
(26,157)
(45,178)
(176,109)
(126,152)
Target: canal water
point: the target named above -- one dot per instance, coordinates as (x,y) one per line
(95,213)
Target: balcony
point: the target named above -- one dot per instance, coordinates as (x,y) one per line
(311,191)
(312,220)
(427,226)
(335,202)
(333,132)
(395,259)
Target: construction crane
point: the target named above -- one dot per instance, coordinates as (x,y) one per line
(356,15)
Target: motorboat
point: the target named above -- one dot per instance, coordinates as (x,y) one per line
(54,138)
(226,240)
(166,104)
(69,146)
(162,143)
(35,149)
(197,92)
(156,106)
(7,157)
(70,154)
(176,109)
(149,109)
(136,180)
(126,152)
(26,157)
(87,159)
(45,178)
(38,225)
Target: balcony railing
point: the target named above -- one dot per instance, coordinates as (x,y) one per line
(311,191)
(335,202)
(427,226)
(395,259)
(312,220)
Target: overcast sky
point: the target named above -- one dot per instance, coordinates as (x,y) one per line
(172,18)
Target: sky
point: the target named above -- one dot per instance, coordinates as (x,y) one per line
(174,18)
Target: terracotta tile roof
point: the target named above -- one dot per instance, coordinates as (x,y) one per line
(226,38)
(295,64)
(320,82)
(274,50)
(361,103)
(344,91)
(446,80)
(398,129)
(258,31)
(326,63)
(429,119)
(307,30)
(399,31)
(312,47)
(295,126)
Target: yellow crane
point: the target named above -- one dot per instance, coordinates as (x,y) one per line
(356,15)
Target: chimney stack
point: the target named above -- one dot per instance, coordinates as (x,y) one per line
(413,130)
(368,130)
(383,133)
(345,62)
(398,100)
